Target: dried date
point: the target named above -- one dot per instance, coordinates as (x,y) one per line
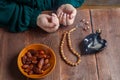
(24,59)
(41,63)
(35,61)
(28,54)
(25,66)
(46,61)
(45,67)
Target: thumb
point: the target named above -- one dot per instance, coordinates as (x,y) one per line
(53,20)
(48,16)
(73,14)
(50,21)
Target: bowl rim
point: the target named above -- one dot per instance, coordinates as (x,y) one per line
(36,44)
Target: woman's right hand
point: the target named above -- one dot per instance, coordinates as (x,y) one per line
(66,14)
(48,23)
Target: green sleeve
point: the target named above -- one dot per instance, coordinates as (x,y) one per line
(30,3)
(75,3)
(16,17)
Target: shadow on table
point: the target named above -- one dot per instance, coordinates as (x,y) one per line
(14,71)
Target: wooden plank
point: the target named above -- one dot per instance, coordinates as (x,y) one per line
(51,40)
(102,2)
(1,45)
(11,45)
(108,61)
(99,6)
(86,70)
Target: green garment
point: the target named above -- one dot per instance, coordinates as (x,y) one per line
(19,15)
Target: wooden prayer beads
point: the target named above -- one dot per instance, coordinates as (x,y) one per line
(67,35)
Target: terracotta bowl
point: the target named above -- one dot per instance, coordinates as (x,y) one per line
(52,60)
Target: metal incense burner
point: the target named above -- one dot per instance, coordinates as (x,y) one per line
(93,43)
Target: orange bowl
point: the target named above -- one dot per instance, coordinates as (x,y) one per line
(52,60)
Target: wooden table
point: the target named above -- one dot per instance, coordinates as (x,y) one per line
(102,66)
(103,2)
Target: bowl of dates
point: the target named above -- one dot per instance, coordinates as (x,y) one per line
(36,61)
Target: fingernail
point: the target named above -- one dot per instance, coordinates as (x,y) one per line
(65,14)
(62,13)
(53,14)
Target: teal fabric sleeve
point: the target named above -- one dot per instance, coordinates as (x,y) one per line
(45,4)
(30,3)
(17,17)
(75,3)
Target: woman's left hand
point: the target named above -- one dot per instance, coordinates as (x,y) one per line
(66,14)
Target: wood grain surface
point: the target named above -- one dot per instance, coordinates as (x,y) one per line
(87,67)
(102,2)
(102,66)
(108,61)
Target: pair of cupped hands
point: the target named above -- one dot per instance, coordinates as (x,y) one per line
(65,15)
